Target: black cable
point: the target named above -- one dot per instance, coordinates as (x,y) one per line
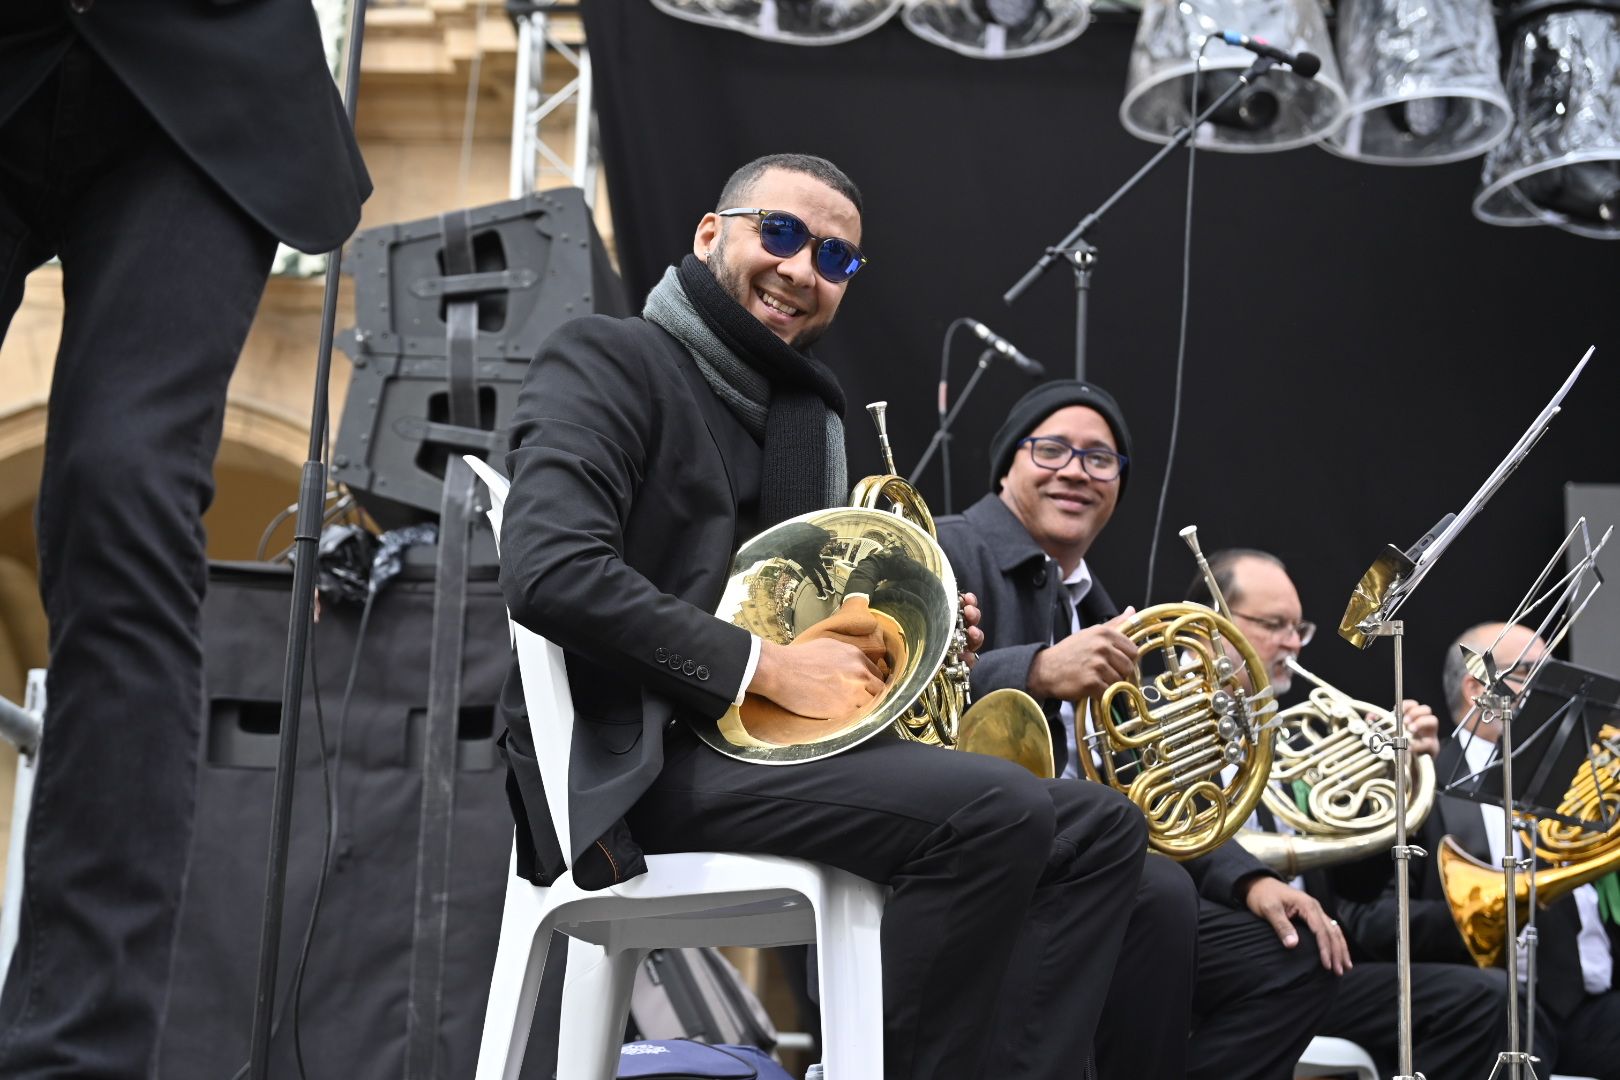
(1181,344)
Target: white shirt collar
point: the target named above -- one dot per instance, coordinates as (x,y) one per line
(1079,582)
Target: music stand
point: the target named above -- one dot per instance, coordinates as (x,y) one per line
(1555,713)
(1371,614)
(1499,702)
(1553,733)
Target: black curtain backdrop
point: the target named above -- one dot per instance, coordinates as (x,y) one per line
(1361,350)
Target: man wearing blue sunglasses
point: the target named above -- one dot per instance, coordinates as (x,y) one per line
(644,451)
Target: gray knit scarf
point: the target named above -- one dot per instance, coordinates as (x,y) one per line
(739,381)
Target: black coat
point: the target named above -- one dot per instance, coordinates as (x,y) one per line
(241,85)
(1372,925)
(627,473)
(1018,587)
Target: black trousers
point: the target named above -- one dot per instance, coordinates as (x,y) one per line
(1144,1023)
(1459,1017)
(1010,894)
(1584,1043)
(162,275)
(1257,1004)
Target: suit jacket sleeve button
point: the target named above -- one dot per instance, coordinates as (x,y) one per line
(675,660)
(702,673)
(689,667)
(660,655)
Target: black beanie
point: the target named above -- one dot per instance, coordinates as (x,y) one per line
(1042,402)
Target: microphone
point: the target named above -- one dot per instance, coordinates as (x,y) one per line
(1033,368)
(1305,65)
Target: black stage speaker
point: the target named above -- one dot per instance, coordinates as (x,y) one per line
(355,988)
(449,312)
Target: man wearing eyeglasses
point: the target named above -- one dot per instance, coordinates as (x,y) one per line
(644,452)
(1058,467)
(1577,999)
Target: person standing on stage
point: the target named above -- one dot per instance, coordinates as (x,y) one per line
(1459,1014)
(644,451)
(1577,1000)
(158,150)
(1059,464)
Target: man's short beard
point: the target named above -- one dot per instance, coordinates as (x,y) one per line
(733,282)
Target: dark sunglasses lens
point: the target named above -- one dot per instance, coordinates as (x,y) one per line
(837,260)
(782,234)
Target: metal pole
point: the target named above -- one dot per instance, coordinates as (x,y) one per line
(1402,853)
(306,541)
(1510,866)
(1531,941)
(525,96)
(1083,259)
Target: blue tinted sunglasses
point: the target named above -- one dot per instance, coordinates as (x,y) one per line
(783,235)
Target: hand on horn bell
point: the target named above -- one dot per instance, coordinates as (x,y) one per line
(824,677)
(1279,903)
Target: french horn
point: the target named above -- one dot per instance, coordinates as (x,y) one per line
(1166,737)
(1572,856)
(800,576)
(1333,783)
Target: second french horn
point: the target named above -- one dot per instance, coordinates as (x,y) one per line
(1333,783)
(1186,739)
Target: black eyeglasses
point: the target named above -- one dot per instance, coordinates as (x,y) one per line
(1279,628)
(783,235)
(1051,452)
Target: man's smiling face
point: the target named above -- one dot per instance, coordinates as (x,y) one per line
(787,295)
(1063,509)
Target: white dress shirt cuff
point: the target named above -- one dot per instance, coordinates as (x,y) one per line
(748,672)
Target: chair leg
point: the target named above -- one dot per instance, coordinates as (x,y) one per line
(513,989)
(850,975)
(596,1002)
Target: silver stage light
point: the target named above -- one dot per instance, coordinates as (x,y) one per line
(1560,165)
(1281,111)
(997,29)
(1423,83)
(799,22)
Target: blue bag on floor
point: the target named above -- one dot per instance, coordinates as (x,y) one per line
(683,1059)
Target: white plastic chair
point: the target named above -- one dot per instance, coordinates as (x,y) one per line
(693,899)
(1327,1056)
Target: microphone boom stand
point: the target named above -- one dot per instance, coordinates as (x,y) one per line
(306,543)
(1081,255)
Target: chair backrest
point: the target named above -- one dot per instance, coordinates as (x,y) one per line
(545,683)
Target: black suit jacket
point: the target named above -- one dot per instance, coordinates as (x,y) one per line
(241,85)
(615,544)
(1018,587)
(1372,925)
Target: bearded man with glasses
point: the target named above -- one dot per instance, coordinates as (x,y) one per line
(1059,465)
(644,452)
